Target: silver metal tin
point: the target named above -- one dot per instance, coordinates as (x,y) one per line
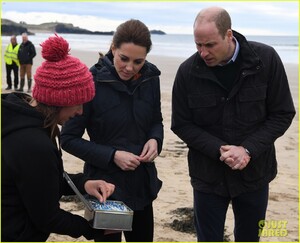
(104,219)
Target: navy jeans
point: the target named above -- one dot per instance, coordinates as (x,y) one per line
(210,215)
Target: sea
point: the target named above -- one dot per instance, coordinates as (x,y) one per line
(169,45)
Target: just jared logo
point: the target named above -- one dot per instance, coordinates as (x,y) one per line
(271,228)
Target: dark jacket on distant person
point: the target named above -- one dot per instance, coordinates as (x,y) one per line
(26,53)
(124,115)
(254,113)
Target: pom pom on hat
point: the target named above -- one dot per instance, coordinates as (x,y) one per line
(62,80)
(55,49)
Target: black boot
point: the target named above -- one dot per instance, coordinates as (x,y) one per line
(29,85)
(21,85)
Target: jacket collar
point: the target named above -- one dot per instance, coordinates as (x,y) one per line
(104,72)
(250,60)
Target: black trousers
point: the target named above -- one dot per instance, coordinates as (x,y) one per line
(210,214)
(142,228)
(13,67)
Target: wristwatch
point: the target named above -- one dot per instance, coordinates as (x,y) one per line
(247,151)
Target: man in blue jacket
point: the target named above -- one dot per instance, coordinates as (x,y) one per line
(231,101)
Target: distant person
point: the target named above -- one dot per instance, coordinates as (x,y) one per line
(124,124)
(12,62)
(26,54)
(32,170)
(231,100)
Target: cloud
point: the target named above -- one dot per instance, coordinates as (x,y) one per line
(172,17)
(89,22)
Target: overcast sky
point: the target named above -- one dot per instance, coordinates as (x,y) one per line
(249,18)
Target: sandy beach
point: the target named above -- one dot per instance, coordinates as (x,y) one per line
(173,171)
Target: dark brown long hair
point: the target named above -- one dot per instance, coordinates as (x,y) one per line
(50,114)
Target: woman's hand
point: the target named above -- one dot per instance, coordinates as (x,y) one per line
(149,152)
(126,160)
(99,189)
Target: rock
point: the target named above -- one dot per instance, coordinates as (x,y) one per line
(157,32)
(9,27)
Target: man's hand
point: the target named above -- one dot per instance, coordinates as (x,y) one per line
(235,157)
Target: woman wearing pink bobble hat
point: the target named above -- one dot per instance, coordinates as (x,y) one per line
(32,169)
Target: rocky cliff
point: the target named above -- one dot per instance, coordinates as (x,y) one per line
(9,27)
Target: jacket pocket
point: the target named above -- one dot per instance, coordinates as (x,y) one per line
(203,168)
(264,167)
(204,108)
(252,103)
(154,182)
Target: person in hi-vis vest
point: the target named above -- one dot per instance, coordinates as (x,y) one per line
(12,62)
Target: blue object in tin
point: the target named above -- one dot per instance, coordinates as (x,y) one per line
(108,206)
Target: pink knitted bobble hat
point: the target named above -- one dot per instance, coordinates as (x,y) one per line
(62,80)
